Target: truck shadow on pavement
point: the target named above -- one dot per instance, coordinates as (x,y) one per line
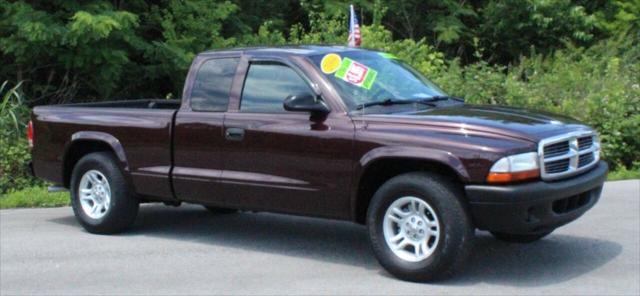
(552,260)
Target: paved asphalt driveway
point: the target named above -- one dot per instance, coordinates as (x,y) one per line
(187,250)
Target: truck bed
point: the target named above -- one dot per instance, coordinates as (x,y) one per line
(142,128)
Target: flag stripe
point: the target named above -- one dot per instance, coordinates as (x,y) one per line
(355,38)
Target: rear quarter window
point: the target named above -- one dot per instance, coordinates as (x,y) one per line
(212,85)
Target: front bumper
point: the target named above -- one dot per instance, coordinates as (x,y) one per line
(535,207)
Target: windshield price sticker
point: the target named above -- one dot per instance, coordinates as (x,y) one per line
(330,63)
(356,73)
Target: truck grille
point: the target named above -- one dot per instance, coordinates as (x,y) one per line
(556,149)
(568,154)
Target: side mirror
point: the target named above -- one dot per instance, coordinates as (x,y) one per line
(306,102)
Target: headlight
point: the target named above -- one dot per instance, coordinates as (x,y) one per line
(514,168)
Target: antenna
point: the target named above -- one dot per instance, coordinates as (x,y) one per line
(364,107)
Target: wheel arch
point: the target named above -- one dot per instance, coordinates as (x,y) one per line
(83,143)
(382,164)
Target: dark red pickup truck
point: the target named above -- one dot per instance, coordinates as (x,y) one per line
(330,132)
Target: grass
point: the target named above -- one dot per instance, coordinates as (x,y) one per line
(39,197)
(33,197)
(624,174)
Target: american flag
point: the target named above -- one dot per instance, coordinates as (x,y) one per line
(354,29)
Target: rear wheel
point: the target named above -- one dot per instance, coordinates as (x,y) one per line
(418,227)
(520,238)
(101,200)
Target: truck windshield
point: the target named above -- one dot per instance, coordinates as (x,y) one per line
(369,78)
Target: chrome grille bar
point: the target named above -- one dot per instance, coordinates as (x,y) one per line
(568,154)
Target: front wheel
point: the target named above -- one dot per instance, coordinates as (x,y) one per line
(418,227)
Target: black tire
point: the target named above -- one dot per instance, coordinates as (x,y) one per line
(456,230)
(520,238)
(218,210)
(123,206)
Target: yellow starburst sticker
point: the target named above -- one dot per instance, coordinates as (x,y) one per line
(330,63)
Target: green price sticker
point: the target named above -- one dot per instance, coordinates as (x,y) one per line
(356,73)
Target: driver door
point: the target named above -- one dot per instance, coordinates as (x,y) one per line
(283,161)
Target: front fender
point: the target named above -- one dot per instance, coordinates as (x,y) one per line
(429,154)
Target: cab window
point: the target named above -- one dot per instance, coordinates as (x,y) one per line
(267,85)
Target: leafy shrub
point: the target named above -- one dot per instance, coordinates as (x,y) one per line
(14,152)
(14,155)
(625,174)
(544,25)
(12,110)
(422,56)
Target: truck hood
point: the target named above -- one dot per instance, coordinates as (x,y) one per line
(507,121)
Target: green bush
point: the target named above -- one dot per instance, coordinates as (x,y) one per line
(14,155)
(14,151)
(625,174)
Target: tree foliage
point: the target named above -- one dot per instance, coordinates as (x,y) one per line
(576,57)
(88,50)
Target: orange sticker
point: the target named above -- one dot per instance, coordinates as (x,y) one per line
(330,63)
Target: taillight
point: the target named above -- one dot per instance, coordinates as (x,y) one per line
(30,133)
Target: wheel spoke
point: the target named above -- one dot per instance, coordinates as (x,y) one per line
(417,247)
(86,194)
(397,238)
(424,247)
(93,178)
(397,215)
(394,218)
(94,208)
(412,206)
(402,244)
(400,212)
(88,197)
(421,209)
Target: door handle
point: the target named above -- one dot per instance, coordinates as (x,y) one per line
(234,134)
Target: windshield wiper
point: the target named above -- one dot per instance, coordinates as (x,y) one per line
(441,98)
(391,101)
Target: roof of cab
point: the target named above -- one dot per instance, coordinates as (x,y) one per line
(302,50)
